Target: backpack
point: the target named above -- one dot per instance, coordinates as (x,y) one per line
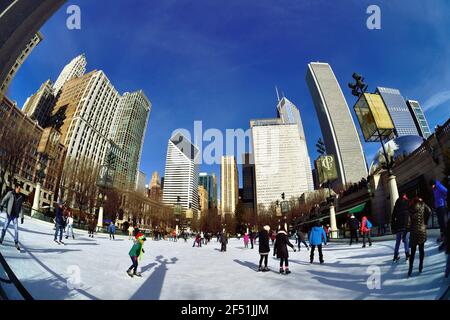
(368,224)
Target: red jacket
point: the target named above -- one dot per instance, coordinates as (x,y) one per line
(364,225)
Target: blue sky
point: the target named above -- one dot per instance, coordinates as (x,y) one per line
(219,61)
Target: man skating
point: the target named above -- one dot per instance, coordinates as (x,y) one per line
(12,203)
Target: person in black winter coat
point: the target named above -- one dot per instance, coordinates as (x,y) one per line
(281,251)
(264,248)
(400,226)
(59,223)
(353,223)
(301,239)
(419,214)
(223,242)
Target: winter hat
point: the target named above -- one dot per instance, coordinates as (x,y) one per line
(267,228)
(140,236)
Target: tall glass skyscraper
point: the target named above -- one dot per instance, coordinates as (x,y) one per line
(401,116)
(419,118)
(338,129)
(209,182)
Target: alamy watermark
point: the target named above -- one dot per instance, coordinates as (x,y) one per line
(374,20)
(74,279)
(73,22)
(374,280)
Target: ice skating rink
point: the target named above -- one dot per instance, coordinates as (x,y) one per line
(87,268)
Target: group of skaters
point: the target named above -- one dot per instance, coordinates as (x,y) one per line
(409,224)
(202,238)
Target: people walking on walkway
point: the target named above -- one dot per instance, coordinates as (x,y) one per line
(366,228)
(419,214)
(136,254)
(301,239)
(281,251)
(316,237)
(59,223)
(400,226)
(353,224)
(112,230)
(223,242)
(69,225)
(12,204)
(440,198)
(264,248)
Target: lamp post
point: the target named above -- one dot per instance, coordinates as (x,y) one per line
(376,125)
(40,176)
(102,198)
(177,211)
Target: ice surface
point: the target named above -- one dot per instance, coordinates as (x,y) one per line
(175,270)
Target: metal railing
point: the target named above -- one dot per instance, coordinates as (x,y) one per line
(12,279)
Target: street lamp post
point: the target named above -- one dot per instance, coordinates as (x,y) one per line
(40,176)
(177,212)
(372,125)
(102,198)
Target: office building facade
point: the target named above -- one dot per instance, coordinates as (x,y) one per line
(181,173)
(419,118)
(40,105)
(74,69)
(229,184)
(338,129)
(398,110)
(248,181)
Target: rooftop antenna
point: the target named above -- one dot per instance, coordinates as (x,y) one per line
(278,95)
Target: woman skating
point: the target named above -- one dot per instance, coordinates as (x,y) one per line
(419,214)
(281,251)
(264,248)
(246,240)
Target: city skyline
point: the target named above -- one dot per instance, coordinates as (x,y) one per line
(211,96)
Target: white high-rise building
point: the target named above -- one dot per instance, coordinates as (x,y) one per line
(75,69)
(229,184)
(278,161)
(181,173)
(290,114)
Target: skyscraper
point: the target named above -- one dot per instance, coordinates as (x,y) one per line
(75,69)
(155,191)
(278,162)
(203,197)
(181,173)
(19,22)
(35,40)
(338,129)
(419,118)
(398,110)
(128,130)
(248,181)
(40,105)
(290,114)
(207,181)
(229,184)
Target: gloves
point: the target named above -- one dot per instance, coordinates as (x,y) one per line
(143,251)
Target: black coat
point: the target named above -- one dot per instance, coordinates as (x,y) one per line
(353,223)
(264,247)
(400,216)
(280,246)
(419,214)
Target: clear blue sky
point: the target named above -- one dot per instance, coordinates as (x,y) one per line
(219,61)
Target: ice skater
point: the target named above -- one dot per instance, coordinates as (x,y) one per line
(366,228)
(353,223)
(136,254)
(223,242)
(112,230)
(419,214)
(246,238)
(13,203)
(316,237)
(301,239)
(281,251)
(59,223)
(130,232)
(264,248)
(69,226)
(400,226)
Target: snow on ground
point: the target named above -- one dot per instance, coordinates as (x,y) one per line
(175,270)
